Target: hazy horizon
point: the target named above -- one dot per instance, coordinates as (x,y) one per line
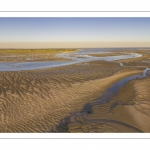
(38,45)
(74,32)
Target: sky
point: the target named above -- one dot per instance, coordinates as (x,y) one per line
(74,32)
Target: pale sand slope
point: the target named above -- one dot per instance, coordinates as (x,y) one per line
(36,101)
(126,112)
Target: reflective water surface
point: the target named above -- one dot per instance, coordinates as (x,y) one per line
(75,57)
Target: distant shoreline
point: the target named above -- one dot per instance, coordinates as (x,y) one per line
(74,48)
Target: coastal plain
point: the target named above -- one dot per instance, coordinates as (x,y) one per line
(53,99)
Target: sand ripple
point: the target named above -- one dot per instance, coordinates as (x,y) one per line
(35,101)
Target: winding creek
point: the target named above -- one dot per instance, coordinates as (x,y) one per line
(75,57)
(112,91)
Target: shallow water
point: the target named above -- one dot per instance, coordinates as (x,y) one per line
(18,66)
(75,57)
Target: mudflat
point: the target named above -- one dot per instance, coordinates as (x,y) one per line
(29,55)
(53,99)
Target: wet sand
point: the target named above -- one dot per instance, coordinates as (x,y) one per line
(40,100)
(128,111)
(108,54)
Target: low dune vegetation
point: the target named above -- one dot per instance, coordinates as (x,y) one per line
(32,54)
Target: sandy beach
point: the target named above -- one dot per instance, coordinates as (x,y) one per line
(53,99)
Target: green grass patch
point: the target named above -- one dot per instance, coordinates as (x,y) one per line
(34,51)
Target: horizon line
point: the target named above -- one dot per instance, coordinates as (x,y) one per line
(66,48)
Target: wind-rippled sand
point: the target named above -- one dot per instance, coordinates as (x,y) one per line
(40,100)
(35,101)
(129,111)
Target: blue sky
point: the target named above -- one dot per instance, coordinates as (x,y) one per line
(74,29)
